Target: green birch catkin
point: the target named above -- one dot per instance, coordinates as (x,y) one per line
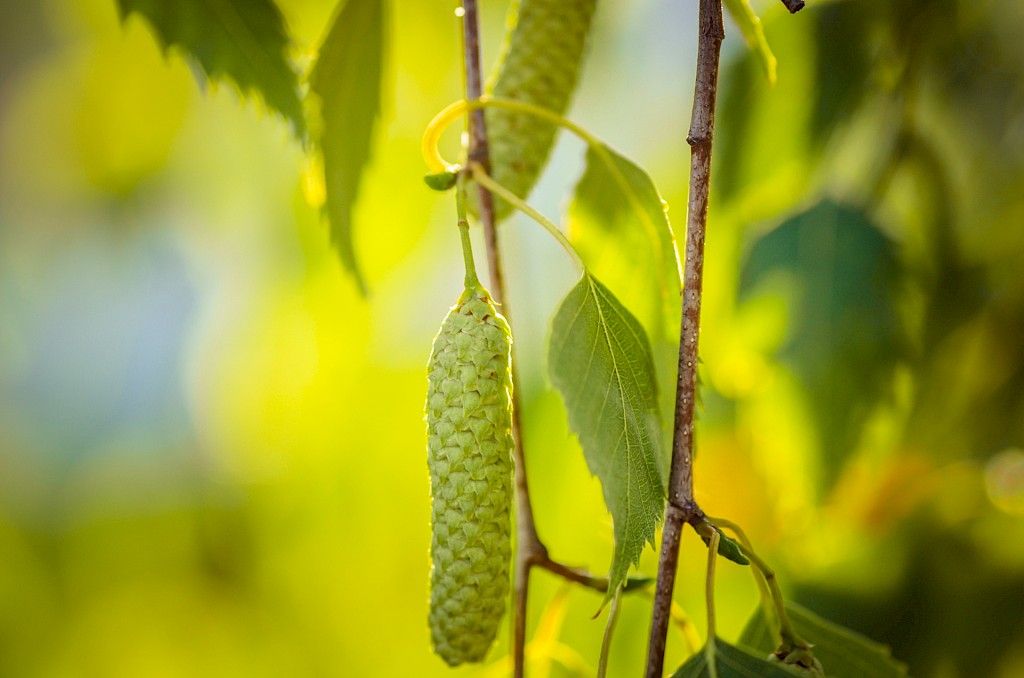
(540,65)
(469,455)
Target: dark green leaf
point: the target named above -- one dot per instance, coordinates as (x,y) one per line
(843,653)
(734,662)
(244,40)
(727,547)
(345,95)
(839,274)
(600,361)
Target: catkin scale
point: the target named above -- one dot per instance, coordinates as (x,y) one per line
(539,64)
(469,443)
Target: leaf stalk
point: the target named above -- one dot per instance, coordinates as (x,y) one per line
(788,636)
(494,187)
(709,603)
(472,281)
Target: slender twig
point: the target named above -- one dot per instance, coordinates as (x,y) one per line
(471,280)
(787,633)
(495,188)
(759,578)
(429,146)
(681,506)
(709,598)
(609,633)
(529,549)
(587,580)
(573,574)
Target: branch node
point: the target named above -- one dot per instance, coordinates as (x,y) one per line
(698,139)
(687,511)
(694,514)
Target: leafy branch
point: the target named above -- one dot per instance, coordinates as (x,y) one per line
(591,321)
(682,508)
(530,550)
(617,381)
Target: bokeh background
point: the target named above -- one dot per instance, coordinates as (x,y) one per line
(212,449)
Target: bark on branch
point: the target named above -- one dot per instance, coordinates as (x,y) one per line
(681,506)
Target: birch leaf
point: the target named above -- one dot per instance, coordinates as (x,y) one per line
(600,361)
(345,101)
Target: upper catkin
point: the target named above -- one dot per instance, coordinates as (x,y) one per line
(540,64)
(469,456)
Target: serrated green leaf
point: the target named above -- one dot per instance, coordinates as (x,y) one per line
(843,653)
(600,361)
(619,224)
(839,275)
(753,32)
(733,662)
(244,40)
(345,100)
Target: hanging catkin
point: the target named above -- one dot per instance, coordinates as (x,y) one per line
(469,455)
(540,65)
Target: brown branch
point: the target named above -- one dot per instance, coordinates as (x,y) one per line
(681,506)
(530,551)
(574,574)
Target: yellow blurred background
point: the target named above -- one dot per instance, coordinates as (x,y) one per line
(212,450)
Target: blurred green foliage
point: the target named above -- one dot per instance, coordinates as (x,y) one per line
(212,451)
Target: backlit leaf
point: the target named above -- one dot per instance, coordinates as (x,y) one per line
(345,100)
(619,224)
